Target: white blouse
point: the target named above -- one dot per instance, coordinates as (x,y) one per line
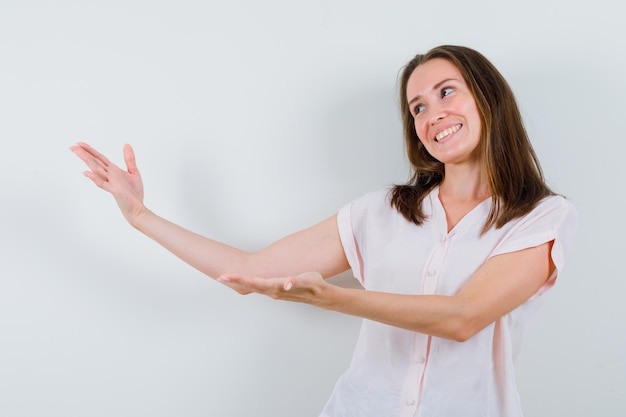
(396,372)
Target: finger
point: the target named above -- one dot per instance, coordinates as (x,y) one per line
(229,277)
(254,284)
(271,287)
(234,284)
(91,163)
(90,159)
(95,154)
(129,158)
(97,179)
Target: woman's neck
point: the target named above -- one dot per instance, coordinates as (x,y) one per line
(464,184)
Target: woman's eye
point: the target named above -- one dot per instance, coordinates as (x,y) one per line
(446,91)
(418,109)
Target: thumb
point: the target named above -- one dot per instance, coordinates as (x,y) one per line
(129,158)
(289,283)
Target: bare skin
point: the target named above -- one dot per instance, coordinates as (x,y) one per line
(295,268)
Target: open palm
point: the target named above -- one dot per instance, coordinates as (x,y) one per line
(126,186)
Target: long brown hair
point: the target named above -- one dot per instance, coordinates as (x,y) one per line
(511,165)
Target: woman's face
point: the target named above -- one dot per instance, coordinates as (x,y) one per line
(445,113)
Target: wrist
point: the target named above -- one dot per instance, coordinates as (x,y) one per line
(332,297)
(139,218)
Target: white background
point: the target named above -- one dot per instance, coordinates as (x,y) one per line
(252,120)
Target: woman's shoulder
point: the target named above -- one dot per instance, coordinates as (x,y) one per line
(555,203)
(375,202)
(551,213)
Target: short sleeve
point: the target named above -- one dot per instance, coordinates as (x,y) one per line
(346,234)
(554,219)
(355,221)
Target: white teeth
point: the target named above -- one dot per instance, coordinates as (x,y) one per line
(447,132)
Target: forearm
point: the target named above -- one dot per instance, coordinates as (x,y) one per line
(209,256)
(500,285)
(443,316)
(436,315)
(315,248)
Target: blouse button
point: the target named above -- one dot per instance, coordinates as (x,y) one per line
(431,272)
(410,402)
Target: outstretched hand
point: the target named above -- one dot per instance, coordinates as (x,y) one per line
(126,186)
(309,288)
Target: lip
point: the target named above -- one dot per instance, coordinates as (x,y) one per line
(458,126)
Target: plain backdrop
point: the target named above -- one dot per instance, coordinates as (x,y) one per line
(252,120)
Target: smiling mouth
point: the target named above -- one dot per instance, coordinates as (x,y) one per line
(447,132)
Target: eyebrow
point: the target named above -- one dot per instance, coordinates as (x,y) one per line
(435,87)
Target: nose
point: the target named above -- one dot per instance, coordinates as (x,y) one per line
(437,115)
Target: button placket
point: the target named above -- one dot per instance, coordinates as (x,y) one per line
(434,266)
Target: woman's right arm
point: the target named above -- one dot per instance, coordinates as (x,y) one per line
(317,248)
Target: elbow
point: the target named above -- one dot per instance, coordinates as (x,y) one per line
(463,328)
(462,335)
(463,319)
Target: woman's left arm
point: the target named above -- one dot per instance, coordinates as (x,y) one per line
(500,285)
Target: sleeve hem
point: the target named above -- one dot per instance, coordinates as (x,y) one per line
(346,234)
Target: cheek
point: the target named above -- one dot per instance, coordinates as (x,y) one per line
(424,143)
(420,130)
(473,117)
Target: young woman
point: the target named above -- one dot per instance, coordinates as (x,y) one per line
(453,263)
